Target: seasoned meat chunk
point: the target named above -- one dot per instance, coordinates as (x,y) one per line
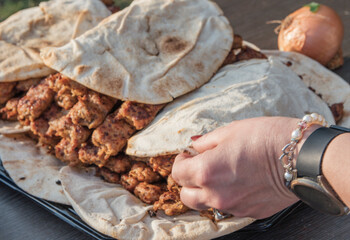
(119,164)
(247,53)
(147,193)
(237,42)
(111,136)
(59,82)
(41,125)
(138,115)
(54,112)
(91,109)
(90,154)
(337,111)
(39,128)
(65,100)
(9,112)
(162,164)
(7,91)
(67,90)
(129,183)
(35,102)
(64,127)
(143,173)
(109,176)
(171,204)
(172,185)
(231,58)
(239,53)
(67,152)
(23,86)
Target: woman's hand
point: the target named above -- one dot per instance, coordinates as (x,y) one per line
(237,169)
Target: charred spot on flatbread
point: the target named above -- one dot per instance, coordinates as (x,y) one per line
(173,45)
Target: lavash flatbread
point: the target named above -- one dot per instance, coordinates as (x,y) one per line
(113,211)
(32,168)
(53,23)
(22,35)
(329,85)
(151,52)
(253,88)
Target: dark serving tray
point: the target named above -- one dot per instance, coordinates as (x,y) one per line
(67,213)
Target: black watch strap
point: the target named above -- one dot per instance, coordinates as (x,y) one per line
(311,154)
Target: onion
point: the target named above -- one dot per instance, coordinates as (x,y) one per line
(314,30)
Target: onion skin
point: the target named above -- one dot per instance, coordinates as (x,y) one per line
(315,34)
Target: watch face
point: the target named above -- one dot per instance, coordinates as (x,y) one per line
(315,196)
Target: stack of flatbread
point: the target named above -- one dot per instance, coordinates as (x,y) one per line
(26,32)
(167,51)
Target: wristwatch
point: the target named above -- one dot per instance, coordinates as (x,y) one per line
(310,185)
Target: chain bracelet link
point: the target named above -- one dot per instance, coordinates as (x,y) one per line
(288,151)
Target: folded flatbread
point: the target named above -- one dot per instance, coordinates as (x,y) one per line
(151,52)
(246,89)
(25,33)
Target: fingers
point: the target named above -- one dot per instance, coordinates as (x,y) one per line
(206,142)
(184,169)
(209,140)
(194,198)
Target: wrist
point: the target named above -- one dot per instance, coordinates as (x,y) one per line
(291,150)
(335,166)
(309,182)
(300,144)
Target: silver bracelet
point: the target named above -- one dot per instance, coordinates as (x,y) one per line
(288,151)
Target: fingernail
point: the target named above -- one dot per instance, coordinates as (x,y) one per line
(194,138)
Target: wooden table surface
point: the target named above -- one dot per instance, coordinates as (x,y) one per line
(21,219)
